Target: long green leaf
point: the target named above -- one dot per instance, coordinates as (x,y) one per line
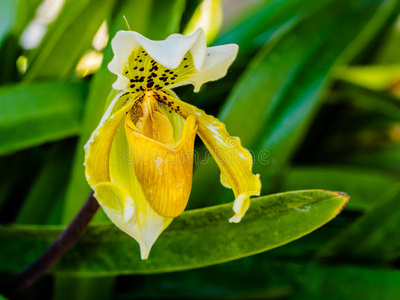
(261,278)
(197,238)
(33,114)
(67,39)
(8,16)
(366,186)
(373,237)
(44,200)
(12,179)
(267,19)
(384,157)
(275,100)
(369,100)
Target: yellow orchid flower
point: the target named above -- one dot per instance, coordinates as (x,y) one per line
(139,160)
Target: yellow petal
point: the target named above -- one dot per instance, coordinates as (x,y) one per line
(164,171)
(234,161)
(99,145)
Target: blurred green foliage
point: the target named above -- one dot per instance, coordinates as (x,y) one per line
(314,94)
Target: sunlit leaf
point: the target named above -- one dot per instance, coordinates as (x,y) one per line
(67,39)
(34,114)
(366,186)
(374,236)
(197,238)
(8,15)
(262,278)
(43,204)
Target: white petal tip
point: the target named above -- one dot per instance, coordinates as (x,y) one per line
(235,219)
(240,206)
(144,251)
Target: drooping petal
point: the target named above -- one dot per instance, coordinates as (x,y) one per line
(234,161)
(164,170)
(178,60)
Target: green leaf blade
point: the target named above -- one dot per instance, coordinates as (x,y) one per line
(196,239)
(27,110)
(366,186)
(372,237)
(67,39)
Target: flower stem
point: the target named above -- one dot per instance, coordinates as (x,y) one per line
(57,249)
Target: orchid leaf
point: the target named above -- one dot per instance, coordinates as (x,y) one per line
(263,278)
(43,204)
(265,21)
(366,186)
(197,238)
(27,110)
(67,39)
(374,236)
(382,157)
(166,16)
(8,15)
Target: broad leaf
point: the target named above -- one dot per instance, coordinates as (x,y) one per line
(197,238)
(266,20)
(34,114)
(366,186)
(262,278)
(8,16)
(43,204)
(67,39)
(374,236)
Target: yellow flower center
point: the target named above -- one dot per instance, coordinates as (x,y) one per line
(150,120)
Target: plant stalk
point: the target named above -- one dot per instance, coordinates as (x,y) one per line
(57,249)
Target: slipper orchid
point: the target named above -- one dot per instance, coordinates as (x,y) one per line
(139,160)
